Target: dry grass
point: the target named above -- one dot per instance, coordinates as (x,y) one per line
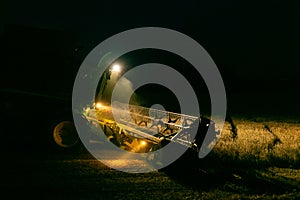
(260,142)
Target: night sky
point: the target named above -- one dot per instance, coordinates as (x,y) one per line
(250,41)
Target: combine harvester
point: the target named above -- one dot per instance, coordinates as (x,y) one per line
(140,129)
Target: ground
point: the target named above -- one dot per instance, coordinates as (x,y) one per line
(252,169)
(86,178)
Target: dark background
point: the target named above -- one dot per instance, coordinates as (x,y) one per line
(254,44)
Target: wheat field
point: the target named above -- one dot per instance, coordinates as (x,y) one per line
(260,142)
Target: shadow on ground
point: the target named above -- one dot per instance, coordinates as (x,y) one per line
(236,178)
